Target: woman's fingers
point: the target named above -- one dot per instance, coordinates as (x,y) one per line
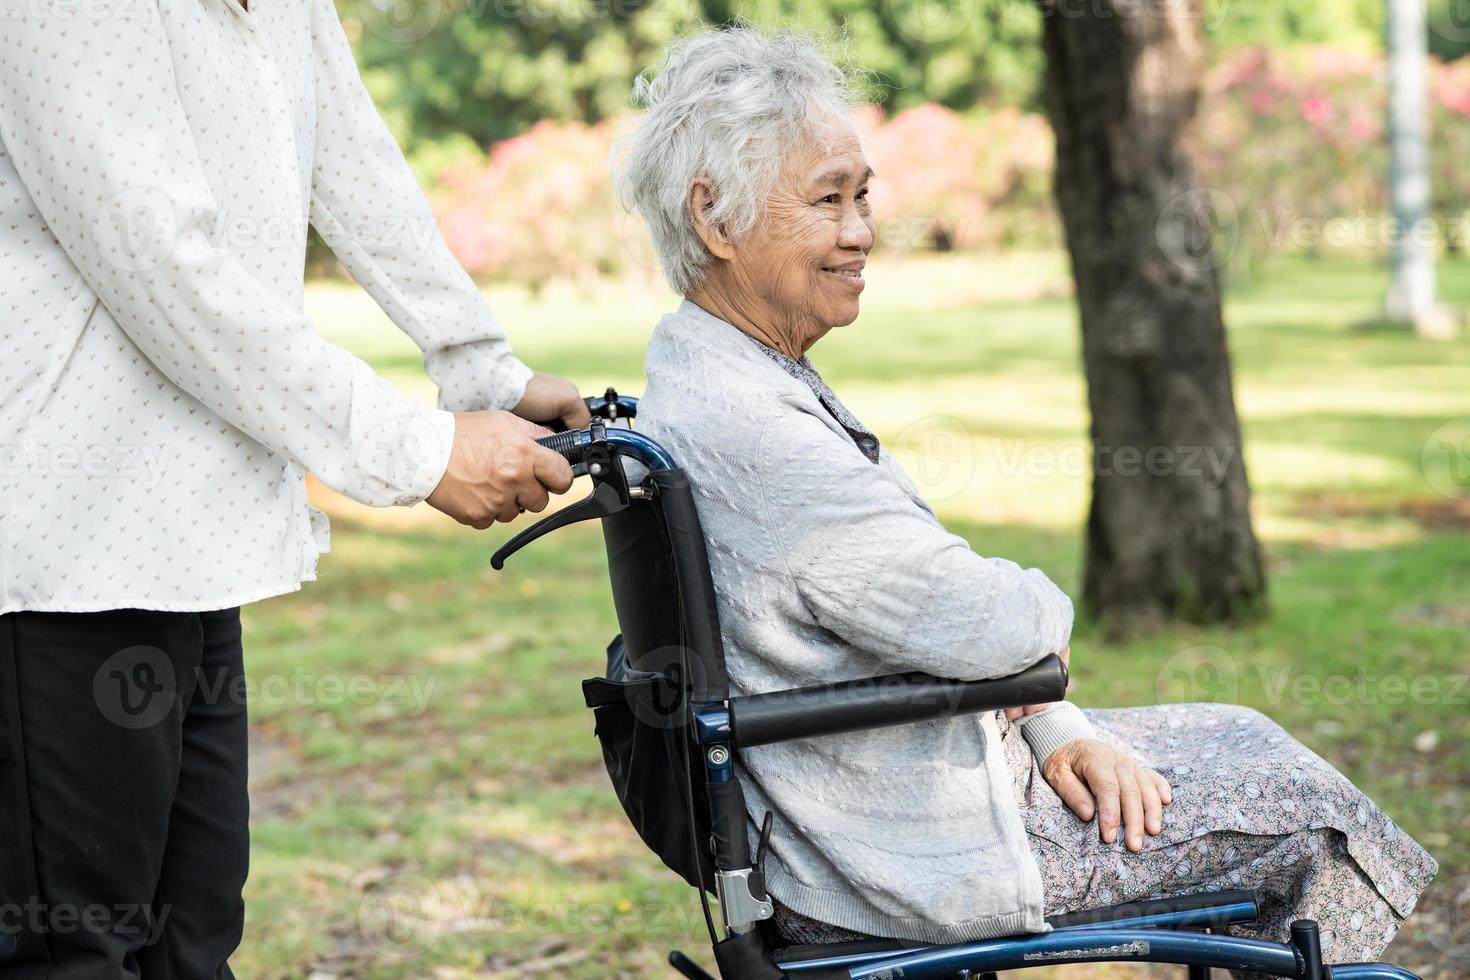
(1166,792)
(1095,779)
(1013,713)
(1103,781)
(1153,804)
(1130,798)
(1073,792)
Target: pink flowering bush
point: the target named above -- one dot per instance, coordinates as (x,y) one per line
(1295,140)
(946,181)
(537,207)
(1292,141)
(540,206)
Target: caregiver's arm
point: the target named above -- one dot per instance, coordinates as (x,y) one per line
(877,570)
(368,207)
(107,144)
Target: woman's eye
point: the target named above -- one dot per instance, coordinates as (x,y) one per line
(830,199)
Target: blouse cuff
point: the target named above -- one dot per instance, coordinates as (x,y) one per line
(1050,729)
(509,385)
(420,447)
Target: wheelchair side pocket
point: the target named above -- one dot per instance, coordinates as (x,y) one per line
(643,731)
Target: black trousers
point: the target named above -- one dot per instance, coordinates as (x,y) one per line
(124,816)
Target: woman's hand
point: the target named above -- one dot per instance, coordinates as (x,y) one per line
(549,398)
(496,470)
(1013,713)
(1093,777)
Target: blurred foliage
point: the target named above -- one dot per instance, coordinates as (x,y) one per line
(1289,148)
(477,71)
(1449,28)
(540,207)
(1232,24)
(508,109)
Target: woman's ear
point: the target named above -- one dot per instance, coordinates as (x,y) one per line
(700,200)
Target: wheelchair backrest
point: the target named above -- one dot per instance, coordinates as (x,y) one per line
(662,589)
(669,658)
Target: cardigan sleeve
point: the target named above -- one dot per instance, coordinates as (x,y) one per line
(368,207)
(877,570)
(93,124)
(1054,726)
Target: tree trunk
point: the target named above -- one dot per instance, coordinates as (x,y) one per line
(1169,533)
(1410,297)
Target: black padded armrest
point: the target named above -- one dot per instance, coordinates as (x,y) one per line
(893,699)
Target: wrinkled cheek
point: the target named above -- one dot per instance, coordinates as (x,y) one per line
(794,284)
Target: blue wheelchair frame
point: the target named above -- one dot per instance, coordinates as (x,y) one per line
(1168,931)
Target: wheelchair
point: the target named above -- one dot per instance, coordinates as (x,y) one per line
(670,730)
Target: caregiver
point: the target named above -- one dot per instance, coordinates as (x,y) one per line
(161,397)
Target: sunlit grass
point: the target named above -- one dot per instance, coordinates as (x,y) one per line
(460,788)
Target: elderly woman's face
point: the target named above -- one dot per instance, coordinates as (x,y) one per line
(802,266)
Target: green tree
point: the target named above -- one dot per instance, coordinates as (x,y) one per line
(461,73)
(487,69)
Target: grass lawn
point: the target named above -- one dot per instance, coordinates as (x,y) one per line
(429,800)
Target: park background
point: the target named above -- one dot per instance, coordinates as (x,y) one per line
(428,799)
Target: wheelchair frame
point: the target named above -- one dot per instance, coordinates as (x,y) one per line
(1182,930)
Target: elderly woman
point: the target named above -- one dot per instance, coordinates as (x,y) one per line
(828,565)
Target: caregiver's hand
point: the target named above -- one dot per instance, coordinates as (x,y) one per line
(548,397)
(1031,709)
(1092,776)
(496,468)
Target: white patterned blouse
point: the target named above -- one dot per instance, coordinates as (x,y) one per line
(161,391)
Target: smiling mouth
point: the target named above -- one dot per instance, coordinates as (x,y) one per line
(850,276)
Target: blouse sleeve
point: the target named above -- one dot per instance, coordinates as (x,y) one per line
(368,207)
(93,124)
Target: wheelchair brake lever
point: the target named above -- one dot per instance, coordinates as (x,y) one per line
(603,501)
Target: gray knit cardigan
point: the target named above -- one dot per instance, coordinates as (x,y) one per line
(827,567)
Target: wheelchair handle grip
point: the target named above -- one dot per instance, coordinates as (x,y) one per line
(570,445)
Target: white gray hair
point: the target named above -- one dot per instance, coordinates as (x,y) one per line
(725,105)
